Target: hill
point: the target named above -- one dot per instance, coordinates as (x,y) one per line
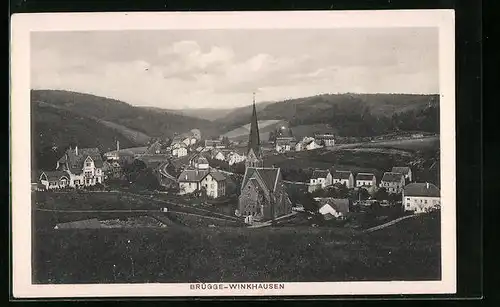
(202,113)
(55,129)
(347,114)
(149,122)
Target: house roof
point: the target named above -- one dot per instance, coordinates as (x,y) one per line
(268,175)
(421,189)
(75,162)
(90,223)
(401,169)
(218,176)
(392,177)
(339,204)
(201,160)
(212,142)
(364,176)
(192,175)
(342,174)
(285,141)
(324,136)
(156,146)
(320,173)
(54,175)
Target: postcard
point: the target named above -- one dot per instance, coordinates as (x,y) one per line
(233,154)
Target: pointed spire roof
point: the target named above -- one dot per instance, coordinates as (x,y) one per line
(254,138)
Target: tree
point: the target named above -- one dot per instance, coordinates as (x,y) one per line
(381,194)
(225,141)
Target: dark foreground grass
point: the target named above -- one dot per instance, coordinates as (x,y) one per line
(407,251)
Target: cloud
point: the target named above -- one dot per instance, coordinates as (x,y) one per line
(157,70)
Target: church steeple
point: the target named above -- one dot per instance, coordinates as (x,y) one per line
(254,153)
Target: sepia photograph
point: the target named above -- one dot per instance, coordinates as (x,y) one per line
(300,156)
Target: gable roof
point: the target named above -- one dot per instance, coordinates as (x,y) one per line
(401,169)
(75,162)
(421,189)
(218,176)
(364,176)
(392,177)
(269,176)
(285,141)
(339,204)
(320,173)
(192,175)
(342,175)
(325,136)
(54,175)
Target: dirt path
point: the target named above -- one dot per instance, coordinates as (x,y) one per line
(388,223)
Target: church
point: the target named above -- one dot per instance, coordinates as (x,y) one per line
(263,194)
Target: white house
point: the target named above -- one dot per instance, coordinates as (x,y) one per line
(234,157)
(326,139)
(406,171)
(343,177)
(200,162)
(393,182)
(285,144)
(311,145)
(421,197)
(54,179)
(180,150)
(84,166)
(218,155)
(366,180)
(192,180)
(320,179)
(332,207)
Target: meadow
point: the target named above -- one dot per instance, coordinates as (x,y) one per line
(409,250)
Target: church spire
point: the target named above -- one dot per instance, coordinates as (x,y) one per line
(254,138)
(254,153)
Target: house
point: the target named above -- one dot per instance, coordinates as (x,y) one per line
(180,150)
(311,145)
(366,180)
(343,177)
(406,171)
(214,144)
(155,148)
(326,139)
(319,180)
(54,179)
(84,166)
(235,156)
(421,197)
(263,194)
(392,182)
(192,180)
(200,162)
(285,144)
(218,155)
(333,208)
(112,170)
(196,133)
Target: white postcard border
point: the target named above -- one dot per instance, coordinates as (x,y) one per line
(23,24)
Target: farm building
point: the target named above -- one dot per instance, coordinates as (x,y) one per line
(366,180)
(343,177)
(393,182)
(331,208)
(406,171)
(421,197)
(319,180)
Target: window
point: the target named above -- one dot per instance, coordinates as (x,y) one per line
(425,201)
(88,164)
(407,198)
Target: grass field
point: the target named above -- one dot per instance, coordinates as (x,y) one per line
(409,250)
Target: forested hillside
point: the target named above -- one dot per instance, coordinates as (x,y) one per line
(150,122)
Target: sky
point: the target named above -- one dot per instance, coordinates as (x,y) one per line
(176,69)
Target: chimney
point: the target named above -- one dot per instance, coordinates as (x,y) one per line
(76,150)
(427,185)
